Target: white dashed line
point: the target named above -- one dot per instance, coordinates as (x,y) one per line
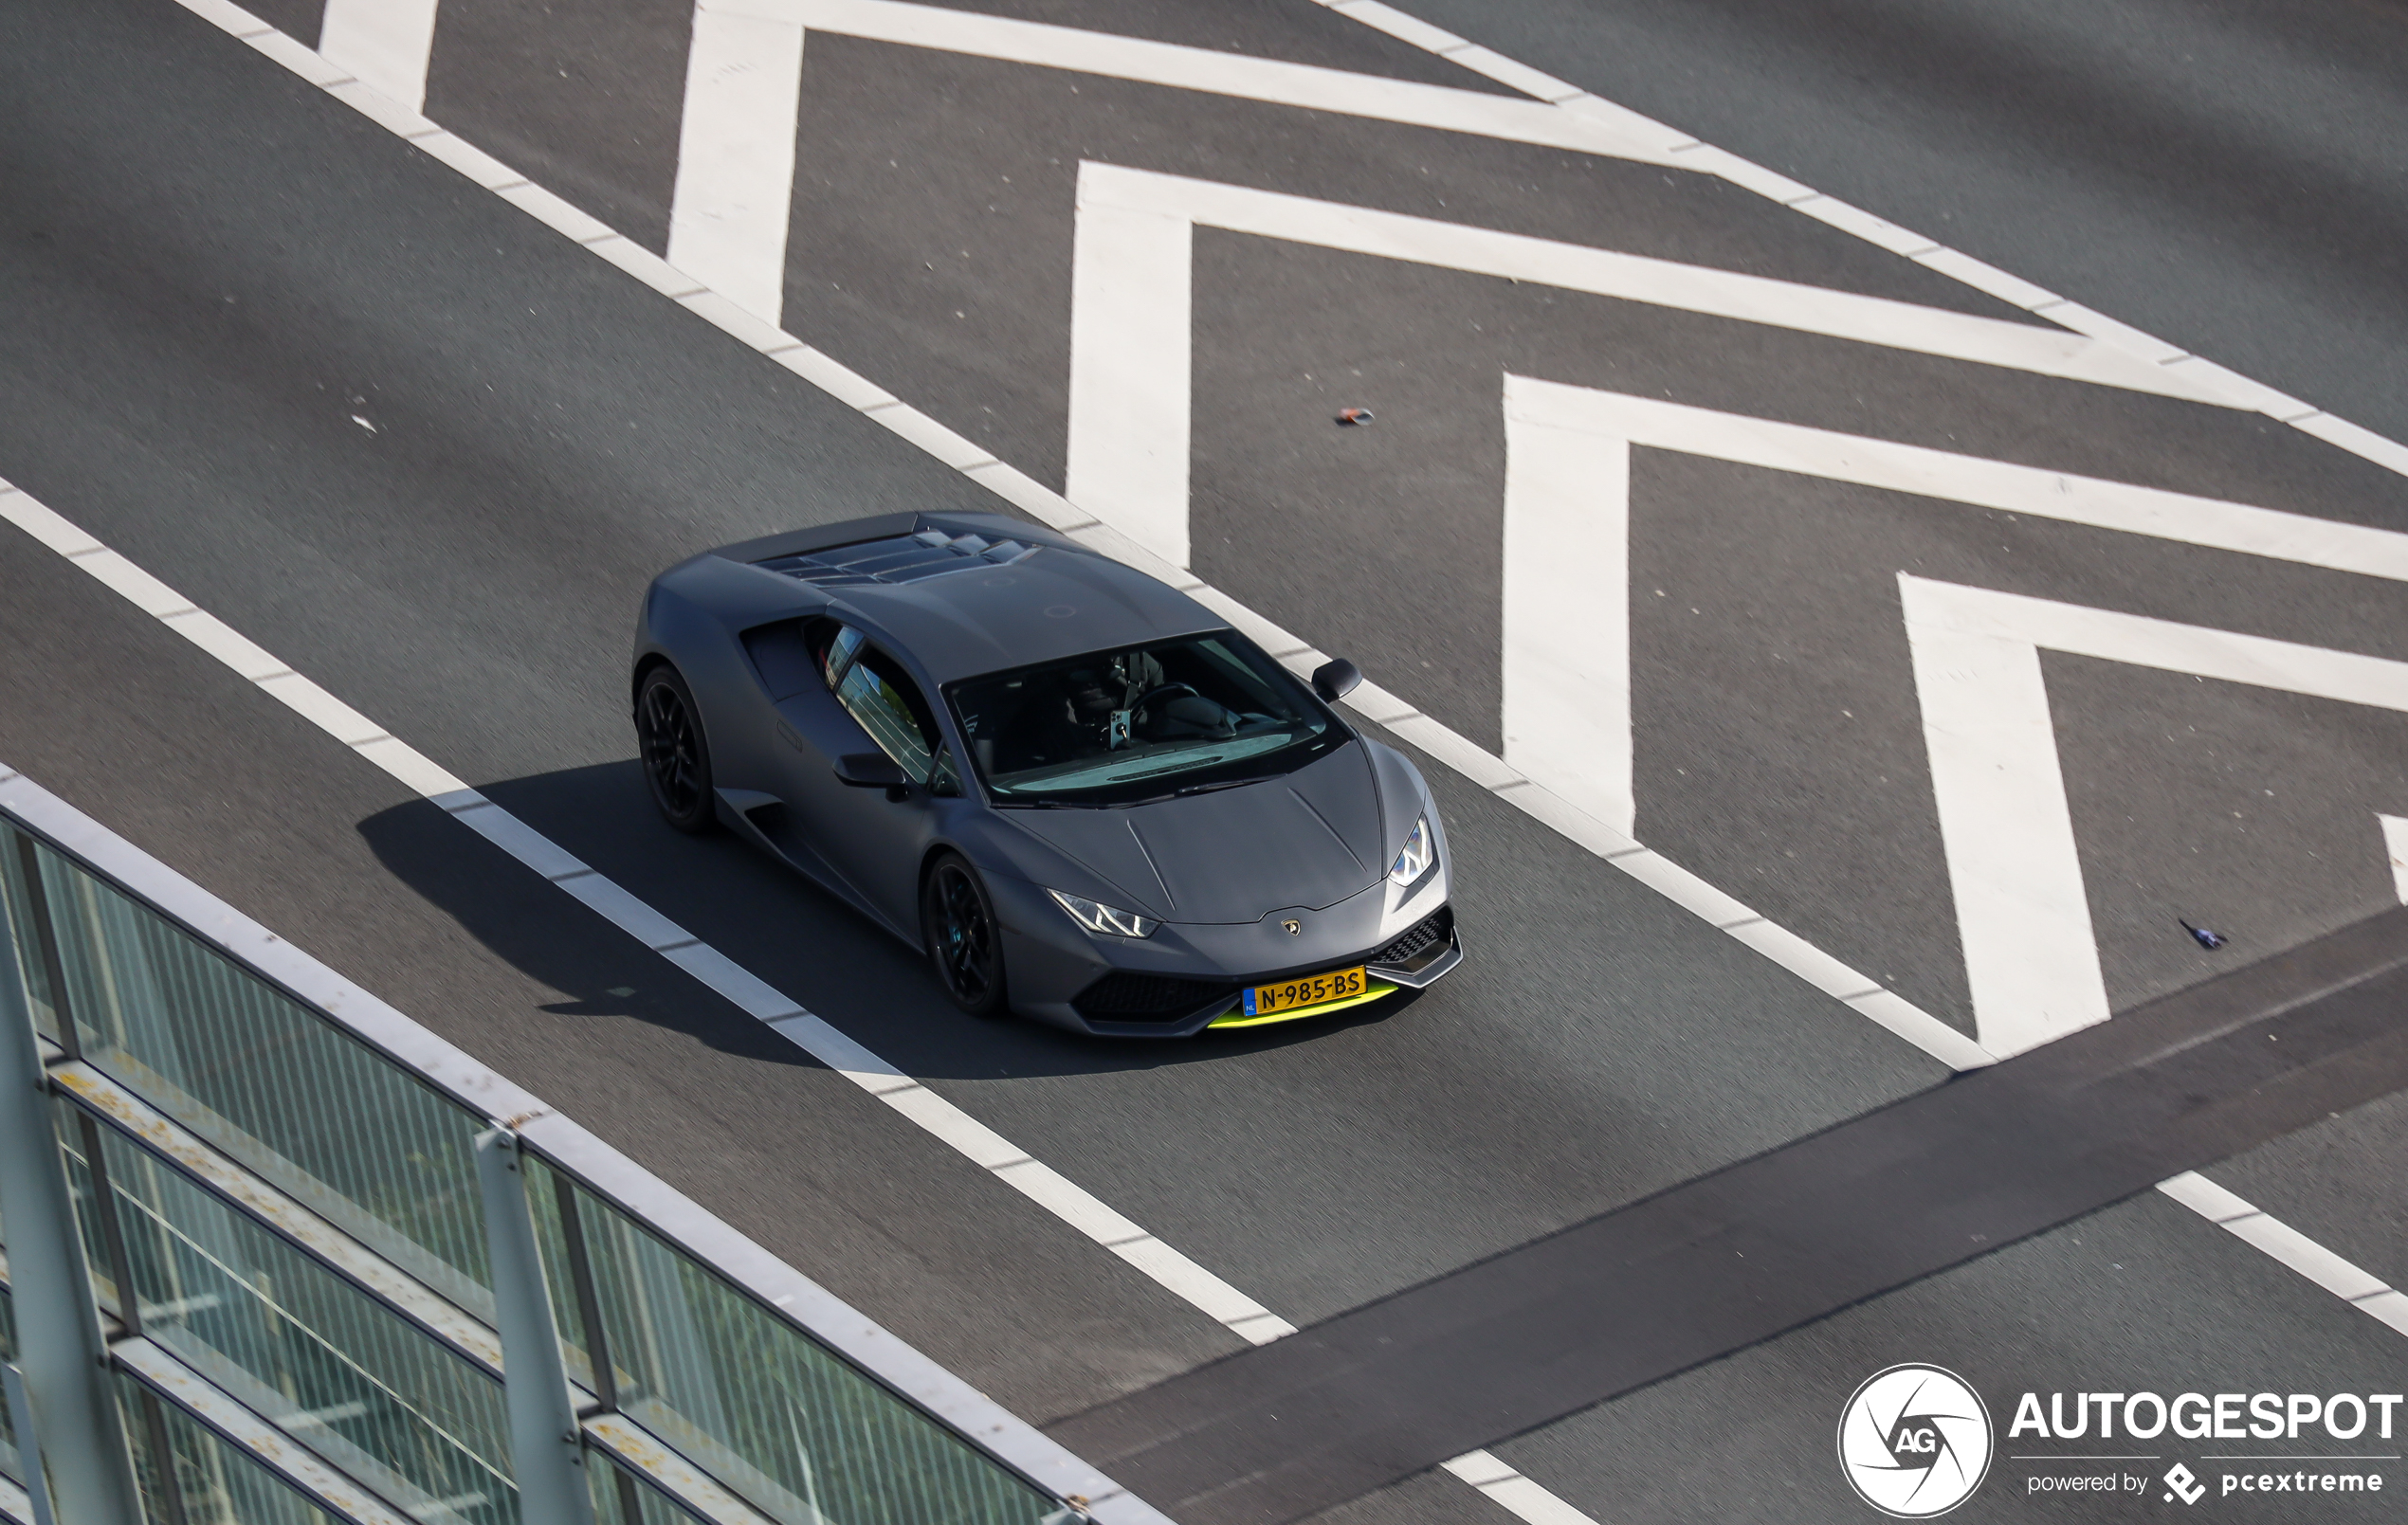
(1513,1491)
(2275,1238)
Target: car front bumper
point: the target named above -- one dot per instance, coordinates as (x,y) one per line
(1188,976)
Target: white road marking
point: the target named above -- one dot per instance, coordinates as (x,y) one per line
(2213,522)
(1132,295)
(728,216)
(728,222)
(1131,269)
(1533,1504)
(1512,1492)
(2023,917)
(385,44)
(1697,288)
(2031,961)
(2233,389)
(1416,32)
(1207,71)
(2294,1249)
(2395,848)
(2022,914)
(1566,640)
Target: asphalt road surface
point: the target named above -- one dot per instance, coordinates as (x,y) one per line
(429,452)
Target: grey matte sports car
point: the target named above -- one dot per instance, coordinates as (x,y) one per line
(1085,796)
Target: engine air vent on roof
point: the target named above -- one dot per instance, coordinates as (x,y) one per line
(903,558)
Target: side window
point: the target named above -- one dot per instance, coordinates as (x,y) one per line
(877,692)
(838,644)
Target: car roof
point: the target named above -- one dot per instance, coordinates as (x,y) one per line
(965,594)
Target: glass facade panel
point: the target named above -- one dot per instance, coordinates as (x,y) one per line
(621,1497)
(263,1077)
(284,1090)
(217,1484)
(17,854)
(10,1465)
(87,1221)
(768,1410)
(544,1186)
(332,1367)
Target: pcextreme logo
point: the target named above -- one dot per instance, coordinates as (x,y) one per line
(1914,1441)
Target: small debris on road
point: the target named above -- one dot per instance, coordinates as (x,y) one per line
(1353,417)
(2201,936)
(363,423)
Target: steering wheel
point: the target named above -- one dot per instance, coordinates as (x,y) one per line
(1166,691)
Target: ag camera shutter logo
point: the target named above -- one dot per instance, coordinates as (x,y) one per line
(1915,1441)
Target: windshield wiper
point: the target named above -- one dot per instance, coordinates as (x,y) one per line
(1197,789)
(1122,805)
(1225,782)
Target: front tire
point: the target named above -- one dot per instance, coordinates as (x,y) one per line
(965,941)
(675,753)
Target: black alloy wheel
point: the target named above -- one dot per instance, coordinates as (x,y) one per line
(677,758)
(963,940)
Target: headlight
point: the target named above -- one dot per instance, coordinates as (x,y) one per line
(1108,919)
(1416,858)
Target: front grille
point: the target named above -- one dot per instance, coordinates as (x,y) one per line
(1423,940)
(1125,997)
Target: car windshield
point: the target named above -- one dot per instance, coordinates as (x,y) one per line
(1116,727)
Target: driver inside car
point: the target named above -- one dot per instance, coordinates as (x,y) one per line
(1088,716)
(1109,699)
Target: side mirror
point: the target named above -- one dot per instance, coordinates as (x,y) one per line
(871,769)
(1336,679)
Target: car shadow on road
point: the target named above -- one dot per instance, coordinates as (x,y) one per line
(771,921)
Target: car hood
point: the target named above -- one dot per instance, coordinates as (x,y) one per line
(1308,839)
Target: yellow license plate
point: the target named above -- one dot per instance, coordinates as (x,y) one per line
(1305,990)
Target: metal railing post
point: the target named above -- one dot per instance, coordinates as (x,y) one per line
(60,1348)
(547,1448)
(597,1339)
(37,1488)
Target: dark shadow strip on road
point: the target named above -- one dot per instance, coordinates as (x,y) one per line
(1735,1258)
